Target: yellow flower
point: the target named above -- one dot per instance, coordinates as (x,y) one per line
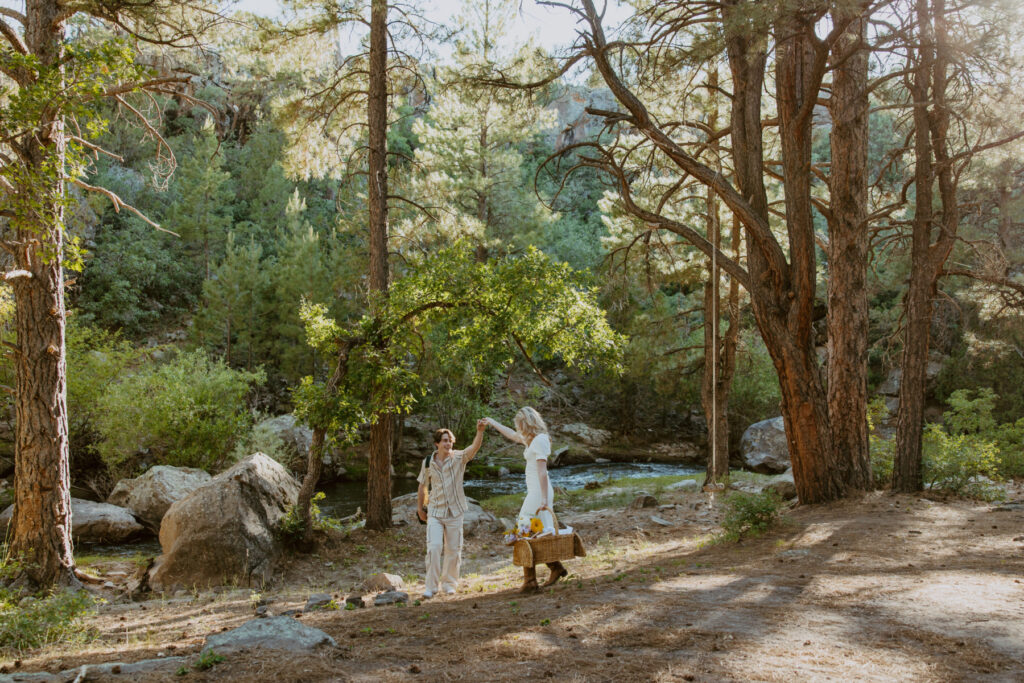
(536,526)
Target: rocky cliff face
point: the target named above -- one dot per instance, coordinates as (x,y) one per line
(573,123)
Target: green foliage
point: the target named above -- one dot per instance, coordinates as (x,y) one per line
(291,529)
(755,391)
(262,439)
(136,278)
(186,412)
(986,364)
(962,464)
(490,310)
(881,450)
(207,660)
(972,414)
(202,213)
(96,361)
(30,622)
(750,514)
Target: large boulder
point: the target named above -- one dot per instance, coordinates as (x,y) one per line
(588,435)
(764,447)
(225,529)
(276,633)
(475,520)
(93,522)
(150,496)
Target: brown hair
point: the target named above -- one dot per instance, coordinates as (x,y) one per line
(439,434)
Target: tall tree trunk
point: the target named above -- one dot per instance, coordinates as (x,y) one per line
(782,290)
(788,322)
(378,477)
(847,367)
(931,162)
(719,354)
(40,531)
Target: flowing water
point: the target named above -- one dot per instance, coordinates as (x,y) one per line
(344,498)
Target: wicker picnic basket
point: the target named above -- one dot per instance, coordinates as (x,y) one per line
(529,552)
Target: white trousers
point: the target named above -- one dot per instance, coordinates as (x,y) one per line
(444,536)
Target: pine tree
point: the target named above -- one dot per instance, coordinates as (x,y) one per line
(470,139)
(201,214)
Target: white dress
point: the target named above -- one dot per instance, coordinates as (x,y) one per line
(539,449)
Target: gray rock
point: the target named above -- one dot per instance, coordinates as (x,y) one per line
(643,501)
(570,120)
(379,583)
(390,598)
(93,522)
(764,447)
(475,520)
(225,529)
(356,600)
(783,485)
(660,521)
(684,485)
(94,672)
(591,436)
(273,633)
(295,436)
(150,496)
(318,601)
(891,385)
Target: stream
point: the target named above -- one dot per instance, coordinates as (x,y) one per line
(342,499)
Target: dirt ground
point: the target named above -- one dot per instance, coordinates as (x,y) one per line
(888,587)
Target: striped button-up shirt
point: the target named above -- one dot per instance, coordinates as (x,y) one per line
(447,498)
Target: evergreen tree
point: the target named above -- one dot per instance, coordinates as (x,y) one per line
(231,317)
(470,139)
(201,214)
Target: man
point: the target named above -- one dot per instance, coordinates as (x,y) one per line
(443,514)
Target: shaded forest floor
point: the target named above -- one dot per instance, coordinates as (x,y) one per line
(888,587)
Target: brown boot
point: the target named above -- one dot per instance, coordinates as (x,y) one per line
(557,572)
(529,580)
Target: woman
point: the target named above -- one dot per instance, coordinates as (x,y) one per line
(540,496)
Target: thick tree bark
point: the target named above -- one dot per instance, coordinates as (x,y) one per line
(782,289)
(378,483)
(847,367)
(931,117)
(40,531)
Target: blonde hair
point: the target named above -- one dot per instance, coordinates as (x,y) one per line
(529,422)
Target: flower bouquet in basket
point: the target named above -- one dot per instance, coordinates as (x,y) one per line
(527,528)
(532,544)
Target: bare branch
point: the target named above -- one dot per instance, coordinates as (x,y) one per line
(119,203)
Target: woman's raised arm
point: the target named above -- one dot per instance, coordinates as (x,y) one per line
(510,434)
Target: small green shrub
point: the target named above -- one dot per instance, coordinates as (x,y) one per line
(882,451)
(207,660)
(291,529)
(973,414)
(27,623)
(188,412)
(962,464)
(263,439)
(750,514)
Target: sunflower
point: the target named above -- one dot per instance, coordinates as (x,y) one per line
(536,526)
